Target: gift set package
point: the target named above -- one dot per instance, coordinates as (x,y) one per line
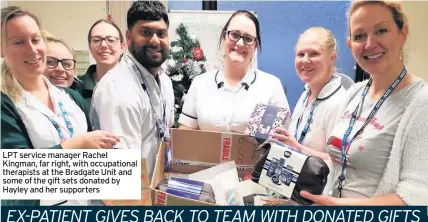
(281,170)
(264,120)
(287,172)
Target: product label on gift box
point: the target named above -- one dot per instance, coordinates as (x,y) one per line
(181,187)
(282,169)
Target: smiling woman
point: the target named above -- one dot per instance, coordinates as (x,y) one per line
(34,113)
(107,45)
(318,108)
(60,62)
(368,144)
(223,100)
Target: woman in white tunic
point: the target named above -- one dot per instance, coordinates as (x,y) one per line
(34,113)
(318,108)
(223,100)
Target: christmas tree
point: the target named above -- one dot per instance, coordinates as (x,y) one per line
(186,60)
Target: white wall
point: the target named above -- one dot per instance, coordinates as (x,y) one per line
(417,46)
(69,20)
(62,20)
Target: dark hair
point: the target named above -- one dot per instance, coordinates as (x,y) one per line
(146,10)
(108,22)
(248,15)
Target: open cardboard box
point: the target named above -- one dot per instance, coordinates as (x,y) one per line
(195,150)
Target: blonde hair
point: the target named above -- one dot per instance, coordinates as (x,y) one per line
(397,11)
(51,38)
(9,85)
(327,40)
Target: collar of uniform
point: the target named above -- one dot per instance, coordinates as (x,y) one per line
(248,78)
(329,89)
(29,99)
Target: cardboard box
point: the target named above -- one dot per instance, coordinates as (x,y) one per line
(193,151)
(146,198)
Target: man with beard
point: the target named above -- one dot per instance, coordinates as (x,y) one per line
(135,100)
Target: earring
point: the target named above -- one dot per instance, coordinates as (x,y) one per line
(401,54)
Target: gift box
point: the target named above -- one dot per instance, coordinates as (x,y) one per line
(264,120)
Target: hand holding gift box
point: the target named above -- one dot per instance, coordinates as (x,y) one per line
(264,120)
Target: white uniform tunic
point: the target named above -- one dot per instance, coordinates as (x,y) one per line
(121,106)
(212,105)
(42,132)
(325,115)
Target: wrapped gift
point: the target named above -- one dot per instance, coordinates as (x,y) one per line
(146,198)
(264,120)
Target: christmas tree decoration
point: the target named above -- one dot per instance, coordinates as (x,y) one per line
(198,54)
(186,60)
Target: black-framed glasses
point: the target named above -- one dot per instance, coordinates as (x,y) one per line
(110,40)
(236,36)
(67,64)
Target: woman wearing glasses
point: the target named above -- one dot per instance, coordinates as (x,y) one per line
(60,62)
(107,45)
(223,100)
(34,113)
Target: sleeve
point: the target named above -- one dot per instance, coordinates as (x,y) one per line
(278,97)
(13,132)
(188,116)
(413,178)
(110,113)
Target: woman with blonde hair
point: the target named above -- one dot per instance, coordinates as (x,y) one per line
(375,160)
(34,113)
(60,63)
(317,110)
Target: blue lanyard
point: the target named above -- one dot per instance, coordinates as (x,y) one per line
(67,122)
(345,143)
(308,122)
(311,113)
(160,123)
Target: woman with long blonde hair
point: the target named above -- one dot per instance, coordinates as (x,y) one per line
(34,113)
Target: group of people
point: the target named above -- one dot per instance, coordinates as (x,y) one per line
(372,135)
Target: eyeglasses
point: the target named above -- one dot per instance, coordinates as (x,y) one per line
(97,40)
(67,64)
(236,36)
